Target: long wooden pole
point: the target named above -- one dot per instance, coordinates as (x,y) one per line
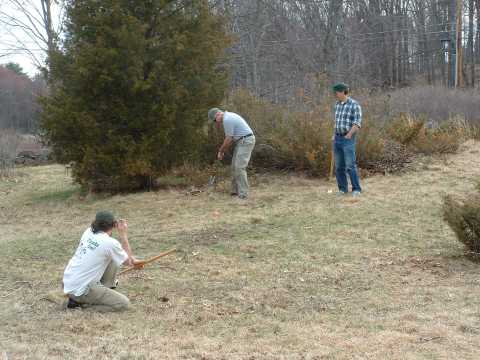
(149,260)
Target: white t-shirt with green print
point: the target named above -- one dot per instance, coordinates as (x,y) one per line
(90,260)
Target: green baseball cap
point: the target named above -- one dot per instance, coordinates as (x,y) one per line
(104,217)
(340,87)
(211,114)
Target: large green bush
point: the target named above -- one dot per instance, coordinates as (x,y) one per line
(132,87)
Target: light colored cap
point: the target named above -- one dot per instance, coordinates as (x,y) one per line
(212,113)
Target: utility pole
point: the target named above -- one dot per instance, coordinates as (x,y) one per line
(458,44)
(452,51)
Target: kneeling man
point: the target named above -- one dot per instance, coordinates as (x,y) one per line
(90,276)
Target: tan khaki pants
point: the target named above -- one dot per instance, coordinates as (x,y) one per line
(100,297)
(241,157)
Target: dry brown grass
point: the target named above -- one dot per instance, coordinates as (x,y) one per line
(293,273)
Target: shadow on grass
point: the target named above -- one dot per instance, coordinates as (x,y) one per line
(168,181)
(57,196)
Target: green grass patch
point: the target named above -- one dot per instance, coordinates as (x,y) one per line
(57,196)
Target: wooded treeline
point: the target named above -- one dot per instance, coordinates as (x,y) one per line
(281,46)
(284,45)
(19,107)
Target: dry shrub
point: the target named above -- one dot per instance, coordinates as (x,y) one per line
(438,139)
(287,139)
(381,152)
(405,129)
(262,115)
(463,216)
(436,142)
(297,136)
(370,143)
(302,140)
(475,132)
(446,138)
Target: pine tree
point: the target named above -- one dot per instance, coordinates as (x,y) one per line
(133,84)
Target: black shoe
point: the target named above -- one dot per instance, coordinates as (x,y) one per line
(72,304)
(233,194)
(114,285)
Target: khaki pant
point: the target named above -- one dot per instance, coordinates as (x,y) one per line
(241,157)
(100,297)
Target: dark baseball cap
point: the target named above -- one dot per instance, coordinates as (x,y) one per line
(104,217)
(340,87)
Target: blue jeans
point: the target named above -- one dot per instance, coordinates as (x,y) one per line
(345,162)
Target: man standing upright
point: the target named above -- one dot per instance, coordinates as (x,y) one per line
(238,133)
(348,120)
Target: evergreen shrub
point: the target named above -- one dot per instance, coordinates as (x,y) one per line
(131,89)
(463,216)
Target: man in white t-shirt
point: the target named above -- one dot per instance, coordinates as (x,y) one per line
(237,133)
(90,276)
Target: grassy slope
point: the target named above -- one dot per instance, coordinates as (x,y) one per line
(292,273)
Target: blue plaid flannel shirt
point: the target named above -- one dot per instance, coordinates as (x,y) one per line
(347,114)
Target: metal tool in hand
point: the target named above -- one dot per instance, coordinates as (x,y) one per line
(212,180)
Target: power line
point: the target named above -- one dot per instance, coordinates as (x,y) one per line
(412,37)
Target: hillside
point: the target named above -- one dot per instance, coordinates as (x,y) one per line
(293,273)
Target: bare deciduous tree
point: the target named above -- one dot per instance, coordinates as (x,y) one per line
(19,108)
(283,45)
(31,28)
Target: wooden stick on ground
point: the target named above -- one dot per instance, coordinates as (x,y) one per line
(332,166)
(149,260)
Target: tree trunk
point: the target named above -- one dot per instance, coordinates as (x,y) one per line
(459,63)
(471,59)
